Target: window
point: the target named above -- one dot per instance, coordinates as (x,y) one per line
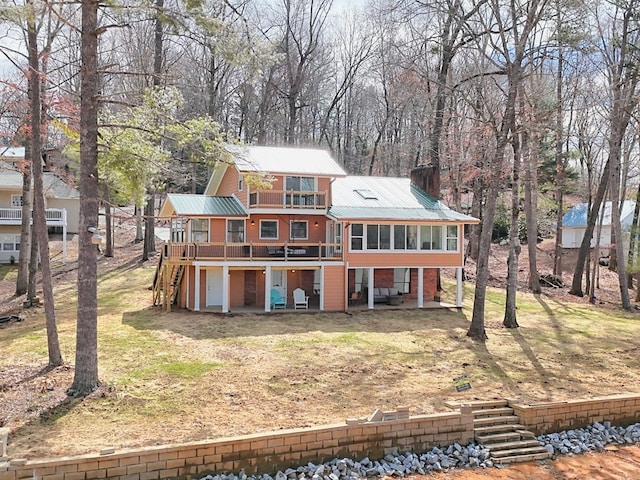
(401,279)
(452,238)
(235,231)
(268,229)
(16,200)
(200,230)
(240,183)
(399,237)
(357,234)
(431,237)
(177,229)
(378,237)
(298,230)
(300,184)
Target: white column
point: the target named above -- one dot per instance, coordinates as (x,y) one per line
(267,289)
(421,287)
(459,287)
(196,301)
(321,306)
(370,287)
(187,282)
(225,289)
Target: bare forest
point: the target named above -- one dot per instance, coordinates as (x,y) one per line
(523,107)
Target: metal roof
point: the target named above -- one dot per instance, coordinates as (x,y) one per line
(12,152)
(386,198)
(288,160)
(54,187)
(577,216)
(205,205)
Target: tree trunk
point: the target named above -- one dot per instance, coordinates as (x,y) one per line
(585,246)
(557,256)
(39,219)
(510,315)
(531,212)
(139,234)
(86,367)
(22,282)
(632,256)
(149,245)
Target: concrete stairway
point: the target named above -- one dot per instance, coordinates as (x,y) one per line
(498,429)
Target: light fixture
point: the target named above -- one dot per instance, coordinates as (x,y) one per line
(316,223)
(96,238)
(253,222)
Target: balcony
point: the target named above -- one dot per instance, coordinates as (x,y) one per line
(288,199)
(13,216)
(186,252)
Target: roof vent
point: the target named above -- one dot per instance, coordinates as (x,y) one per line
(366,194)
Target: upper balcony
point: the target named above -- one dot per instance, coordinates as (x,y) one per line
(13,216)
(298,251)
(288,199)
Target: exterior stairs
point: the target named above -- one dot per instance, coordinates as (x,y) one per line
(497,428)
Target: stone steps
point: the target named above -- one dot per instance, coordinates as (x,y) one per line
(499,430)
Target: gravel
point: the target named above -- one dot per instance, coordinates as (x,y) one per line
(594,437)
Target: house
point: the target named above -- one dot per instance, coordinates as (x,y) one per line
(62,204)
(341,239)
(574,224)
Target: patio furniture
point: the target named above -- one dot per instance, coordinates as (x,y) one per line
(277,300)
(300,299)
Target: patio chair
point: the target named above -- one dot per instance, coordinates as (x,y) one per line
(277,300)
(300,299)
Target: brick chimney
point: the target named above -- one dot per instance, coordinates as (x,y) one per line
(427,179)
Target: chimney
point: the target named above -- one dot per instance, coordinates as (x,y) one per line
(427,179)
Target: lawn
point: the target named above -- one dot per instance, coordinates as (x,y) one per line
(181,376)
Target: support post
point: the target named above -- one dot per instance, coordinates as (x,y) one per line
(421,287)
(196,301)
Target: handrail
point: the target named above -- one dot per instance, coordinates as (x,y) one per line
(298,251)
(297,199)
(54,216)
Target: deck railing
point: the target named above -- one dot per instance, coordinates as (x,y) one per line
(13,216)
(288,199)
(189,251)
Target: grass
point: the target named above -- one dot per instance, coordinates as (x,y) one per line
(183,376)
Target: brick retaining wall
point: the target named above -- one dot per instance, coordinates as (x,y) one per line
(541,418)
(382,433)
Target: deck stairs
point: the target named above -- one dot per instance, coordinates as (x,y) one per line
(497,428)
(167,283)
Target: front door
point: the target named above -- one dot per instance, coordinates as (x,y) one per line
(214,287)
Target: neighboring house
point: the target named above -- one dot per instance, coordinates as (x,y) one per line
(341,239)
(574,224)
(62,204)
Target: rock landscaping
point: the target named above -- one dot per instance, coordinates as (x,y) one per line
(592,438)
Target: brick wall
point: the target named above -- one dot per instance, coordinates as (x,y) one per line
(620,410)
(270,452)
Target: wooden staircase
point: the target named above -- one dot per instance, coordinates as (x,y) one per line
(497,428)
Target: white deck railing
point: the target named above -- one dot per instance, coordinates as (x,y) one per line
(13,216)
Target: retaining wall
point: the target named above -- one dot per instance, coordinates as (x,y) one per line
(541,418)
(382,433)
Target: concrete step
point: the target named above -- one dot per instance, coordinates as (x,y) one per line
(518,451)
(522,458)
(505,427)
(488,421)
(511,445)
(498,438)
(498,411)
(478,404)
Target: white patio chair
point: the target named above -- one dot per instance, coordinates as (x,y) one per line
(300,299)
